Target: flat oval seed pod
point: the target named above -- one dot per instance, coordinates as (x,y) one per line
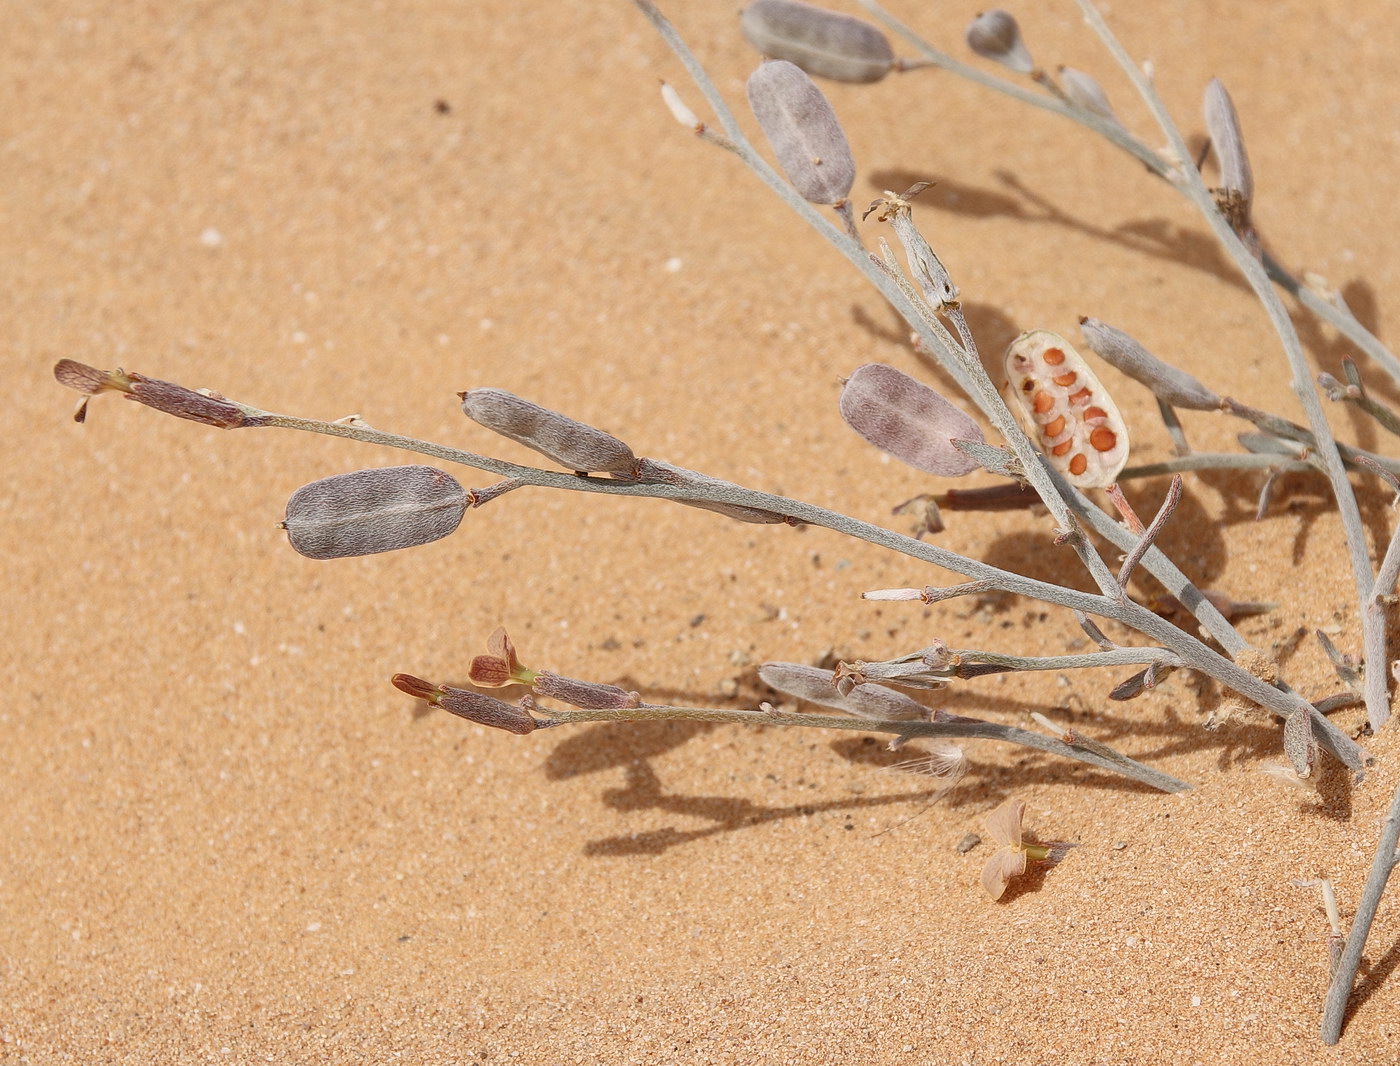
(372,511)
(815,685)
(573,445)
(821,42)
(804,132)
(908,420)
(1065,409)
(1168,384)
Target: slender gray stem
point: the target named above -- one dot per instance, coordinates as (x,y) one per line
(967,372)
(966,730)
(1196,654)
(1340,318)
(1334,1012)
(1189,180)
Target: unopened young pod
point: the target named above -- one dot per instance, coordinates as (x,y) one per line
(908,420)
(815,685)
(571,444)
(1223,124)
(372,511)
(1066,410)
(1168,384)
(1085,91)
(821,42)
(804,132)
(996,35)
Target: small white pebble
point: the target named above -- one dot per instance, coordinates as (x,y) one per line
(313,927)
(211,238)
(1195,1001)
(673,265)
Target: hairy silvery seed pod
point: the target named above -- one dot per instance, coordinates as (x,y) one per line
(1168,384)
(819,686)
(1299,744)
(996,35)
(804,132)
(1066,410)
(571,444)
(1087,93)
(908,420)
(1223,124)
(821,42)
(587,695)
(372,511)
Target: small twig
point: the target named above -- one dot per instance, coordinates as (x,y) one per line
(966,729)
(1152,533)
(1334,1013)
(1174,430)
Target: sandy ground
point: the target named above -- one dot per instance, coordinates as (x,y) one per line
(226,838)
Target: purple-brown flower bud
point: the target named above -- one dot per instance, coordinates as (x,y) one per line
(486,710)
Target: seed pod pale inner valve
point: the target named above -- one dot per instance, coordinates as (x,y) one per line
(1066,410)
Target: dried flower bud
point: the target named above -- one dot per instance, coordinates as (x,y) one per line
(473,706)
(485,710)
(996,35)
(821,42)
(740,513)
(655,471)
(1168,384)
(586,695)
(573,445)
(181,402)
(1223,124)
(371,511)
(908,420)
(804,132)
(1084,91)
(1299,743)
(416,687)
(819,686)
(164,396)
(1066,410)
(501,667)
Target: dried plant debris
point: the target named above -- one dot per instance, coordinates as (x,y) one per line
(571,444)
(909,420)
(1005,826)
(816,685)
(803,129)
(372,511)
(821,42)
(1066,410)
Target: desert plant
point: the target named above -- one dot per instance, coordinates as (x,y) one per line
(1080,443)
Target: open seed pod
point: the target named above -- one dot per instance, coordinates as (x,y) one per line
(1065,409)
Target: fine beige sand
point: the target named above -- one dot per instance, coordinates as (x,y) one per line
(225,837)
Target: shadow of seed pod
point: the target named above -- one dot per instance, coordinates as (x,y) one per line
(908,420)
(821,42)
(1065,409)
(804,132)
(372,511)
(818,686)
(573,445)
(1168,384)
